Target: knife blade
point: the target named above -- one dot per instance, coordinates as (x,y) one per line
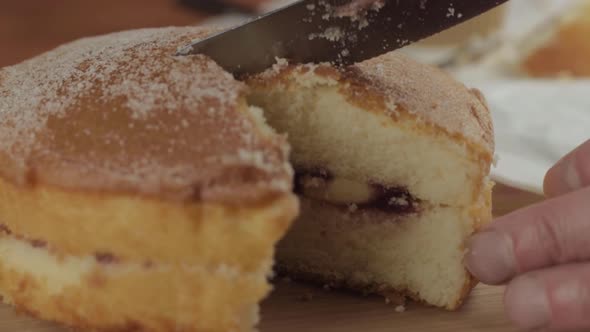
(337,31)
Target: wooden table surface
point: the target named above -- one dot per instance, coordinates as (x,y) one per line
(329,311)
(28,27)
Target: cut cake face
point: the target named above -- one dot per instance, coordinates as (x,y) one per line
(392,161)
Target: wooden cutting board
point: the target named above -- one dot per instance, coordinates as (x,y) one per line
(326,311)
(295,307)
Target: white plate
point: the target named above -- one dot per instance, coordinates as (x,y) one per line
(536,123)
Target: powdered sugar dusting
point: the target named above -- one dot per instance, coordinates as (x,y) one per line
(333,30)
(51,83)
(431,95)
(121,111)
(332,34)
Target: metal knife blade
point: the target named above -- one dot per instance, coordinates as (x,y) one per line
(314,31)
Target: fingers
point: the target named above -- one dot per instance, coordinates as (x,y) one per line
(570,173)
(554,232)
(543,238)
(554,299)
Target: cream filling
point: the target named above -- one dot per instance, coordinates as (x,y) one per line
(337,190)
(321,185)
(58,273)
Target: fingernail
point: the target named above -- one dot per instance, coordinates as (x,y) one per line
(490,257)
(571,176)
(527,304)
(563,177)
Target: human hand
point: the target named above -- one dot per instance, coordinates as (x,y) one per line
(543,252)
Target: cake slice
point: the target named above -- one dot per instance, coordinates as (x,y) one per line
(392,161)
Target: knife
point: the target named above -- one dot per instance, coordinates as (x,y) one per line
(342,32)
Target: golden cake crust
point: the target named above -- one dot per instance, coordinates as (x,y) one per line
(431,95)
(121,113)
(132,297)
(395,84)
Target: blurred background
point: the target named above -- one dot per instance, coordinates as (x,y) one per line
(29,27)
(531,58)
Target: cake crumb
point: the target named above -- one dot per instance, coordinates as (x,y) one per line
(332,34)
(306,297)
(400,308)
(423,4)
(393,298)
(399,201)
(312,182)
(451,12)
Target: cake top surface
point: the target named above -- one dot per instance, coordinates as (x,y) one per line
(122,113)
(431,95)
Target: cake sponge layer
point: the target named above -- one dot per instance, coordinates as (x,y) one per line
(128,296)
(330,129)
(144,229)
(419,254)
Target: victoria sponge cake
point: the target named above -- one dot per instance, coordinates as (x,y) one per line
(144,191)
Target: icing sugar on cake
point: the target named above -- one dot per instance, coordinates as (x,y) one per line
(121,113)
(396,77)
(448,104)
